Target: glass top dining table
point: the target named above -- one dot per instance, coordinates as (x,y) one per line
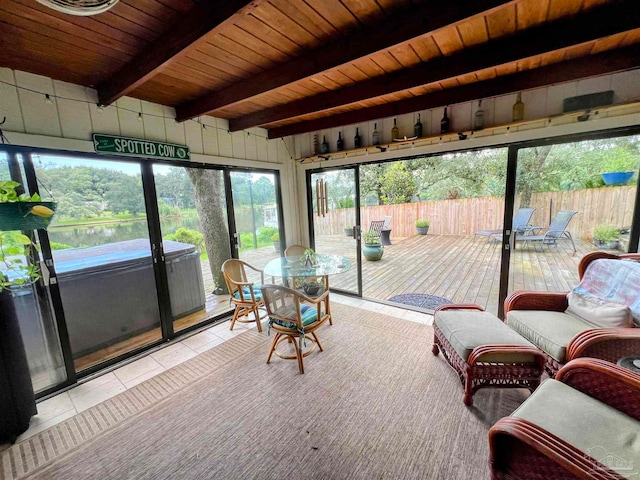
(295,266)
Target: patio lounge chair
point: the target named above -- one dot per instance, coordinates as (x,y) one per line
(520,225)
(557,231)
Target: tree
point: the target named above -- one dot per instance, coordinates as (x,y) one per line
(264,192)
(398,185)
(209,192)
(531,172)
(371,181)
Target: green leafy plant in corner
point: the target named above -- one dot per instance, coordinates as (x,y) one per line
(606,233)
(422,223)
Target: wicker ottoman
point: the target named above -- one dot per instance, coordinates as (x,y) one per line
(484,351)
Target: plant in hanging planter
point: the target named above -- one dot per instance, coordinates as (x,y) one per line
(348,230)
(23,212)
(275,238)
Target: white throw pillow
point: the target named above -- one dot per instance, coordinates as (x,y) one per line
(599,313)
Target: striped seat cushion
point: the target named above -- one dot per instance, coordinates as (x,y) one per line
(246,293)
(309,315)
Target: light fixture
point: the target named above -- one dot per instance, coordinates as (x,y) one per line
(139,116)
(100,108)
(47,99)
(82,8)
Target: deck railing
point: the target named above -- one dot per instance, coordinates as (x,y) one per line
(464,216)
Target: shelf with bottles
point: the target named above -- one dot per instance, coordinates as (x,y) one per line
(469,134)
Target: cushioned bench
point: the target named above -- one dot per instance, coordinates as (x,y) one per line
(484,351)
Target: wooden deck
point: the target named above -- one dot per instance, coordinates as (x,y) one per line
(458,268)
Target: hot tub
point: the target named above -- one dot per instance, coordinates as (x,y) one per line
(109,292)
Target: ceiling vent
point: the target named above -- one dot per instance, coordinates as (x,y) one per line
(79,7)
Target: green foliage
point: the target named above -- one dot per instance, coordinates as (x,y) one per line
(275,237)
(16,270)
(266,234)
(422,223)
(59,246)
(8,193)
(606,233)
(371,238)
(398,185)
(186,235)
(246,241)
(346,202)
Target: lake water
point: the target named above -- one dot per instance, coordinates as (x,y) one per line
(100,234)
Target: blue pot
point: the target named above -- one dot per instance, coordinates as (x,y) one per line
(372,252)
(616,178)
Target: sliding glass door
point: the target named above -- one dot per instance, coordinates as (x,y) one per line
(102,254)
(582,194)
(336,222)
(195,241)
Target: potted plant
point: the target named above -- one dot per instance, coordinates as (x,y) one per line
(422,227)
(606,236)
(348,231)
(309,257)
(275,238)
(372,249)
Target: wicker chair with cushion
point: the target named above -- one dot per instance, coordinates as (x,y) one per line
(294,316)
(598,318)
(584,424)
(245,295)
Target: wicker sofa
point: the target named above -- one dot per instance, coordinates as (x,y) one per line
(584,424)
(547,320)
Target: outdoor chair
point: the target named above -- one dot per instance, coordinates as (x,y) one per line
(385,233)
(520,225)
(294,316)
(245,295)
(556,231)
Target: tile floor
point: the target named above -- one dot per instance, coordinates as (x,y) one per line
(64,405)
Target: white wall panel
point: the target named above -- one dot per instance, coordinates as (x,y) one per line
(193,136)
(175,130)
(153,121)
(40,117)
(225,145)
(555,96)
(272,150)
(626,86)
(210,135)
(10,103)
(250,144)
(131,125)
(238,145)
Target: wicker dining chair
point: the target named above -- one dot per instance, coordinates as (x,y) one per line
(245,295)
(294,316)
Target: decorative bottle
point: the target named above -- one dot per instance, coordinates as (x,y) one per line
(417,128)
(324,147)
(375,140)
(340,145)
(357,142)
(478,123)
(316,144)
(444,123)
(395,133)
(517,113)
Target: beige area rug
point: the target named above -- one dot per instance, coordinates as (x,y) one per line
(375,404)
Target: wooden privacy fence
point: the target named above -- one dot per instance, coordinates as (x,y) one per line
(595,206)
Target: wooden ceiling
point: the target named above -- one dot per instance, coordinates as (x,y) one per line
(293,66)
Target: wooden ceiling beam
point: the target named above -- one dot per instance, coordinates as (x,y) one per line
(597,23)
(600,64)
(203,19)
(409,24)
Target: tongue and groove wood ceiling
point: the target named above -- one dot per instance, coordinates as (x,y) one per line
(294,66)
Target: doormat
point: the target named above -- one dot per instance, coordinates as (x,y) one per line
(421,300)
